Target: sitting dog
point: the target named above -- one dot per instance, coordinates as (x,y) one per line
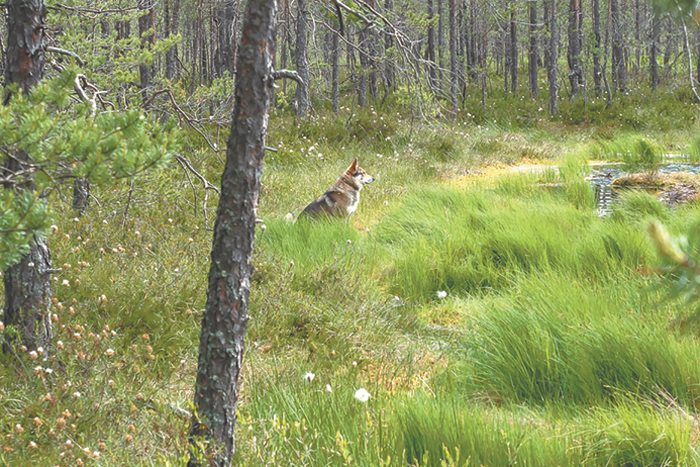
(341,199)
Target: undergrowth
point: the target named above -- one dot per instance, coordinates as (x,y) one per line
(490,315)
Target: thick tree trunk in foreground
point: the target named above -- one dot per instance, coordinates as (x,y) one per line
(226,312)
(27,283)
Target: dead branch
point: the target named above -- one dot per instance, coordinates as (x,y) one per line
(80,61)
(187,166)
(188,118)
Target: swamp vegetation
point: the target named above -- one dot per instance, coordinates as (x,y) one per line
(493,317)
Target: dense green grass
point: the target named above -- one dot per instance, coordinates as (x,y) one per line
(553,346)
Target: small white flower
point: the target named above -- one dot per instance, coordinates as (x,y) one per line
(109,352)
(441,294)
(329,388)
(362,395)
(309,377)
(76,394)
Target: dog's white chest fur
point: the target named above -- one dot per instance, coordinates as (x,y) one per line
(354,201)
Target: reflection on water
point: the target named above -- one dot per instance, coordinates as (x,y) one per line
(603,175)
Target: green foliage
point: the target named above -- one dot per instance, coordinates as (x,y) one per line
(22,215)
(477,241)
(680,257)
(64,142)
(570,356)
(537,348)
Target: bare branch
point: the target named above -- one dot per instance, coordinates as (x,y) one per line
(80,61)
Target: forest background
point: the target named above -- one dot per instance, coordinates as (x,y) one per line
(491,315)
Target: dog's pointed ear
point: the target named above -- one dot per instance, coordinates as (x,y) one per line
(353,166)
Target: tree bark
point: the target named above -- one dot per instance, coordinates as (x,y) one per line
(440,43)
(597,77)
(389,67)
(363,37)
(146,24)
(608,92)
(574,52)
(432,75)
(552,65)
(226,311)
(301,98)
(372,56)
(453,56)
(637,37)
(618,59)
(335,71)
(27,283)
(226,20)
(172,23)
(513,51)
(654,51)
(533,53)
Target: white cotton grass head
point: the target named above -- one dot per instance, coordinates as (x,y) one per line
(362,395)
(309,377)
(441,294)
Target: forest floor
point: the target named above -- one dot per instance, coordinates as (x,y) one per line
(490,314)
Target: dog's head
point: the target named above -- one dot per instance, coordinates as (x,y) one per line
(359,174)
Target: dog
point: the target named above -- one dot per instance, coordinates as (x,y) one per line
(342,198)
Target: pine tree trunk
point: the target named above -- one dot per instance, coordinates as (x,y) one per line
(285,40)
(226,311)
(226,32)
(533,53)
(440,44)
(513,51)
(552,65)
(27,283)
(301,97)
(172,25)
(146,24)
(637,38)
(389,68)
(574,53)
(372,56)
(335,71)
(453,57)
(432,76)
(654,52)
(597,76)
(363,37)
(546,41)
(697,63)
(618,59)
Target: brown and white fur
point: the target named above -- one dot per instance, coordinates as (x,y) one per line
(342,198)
